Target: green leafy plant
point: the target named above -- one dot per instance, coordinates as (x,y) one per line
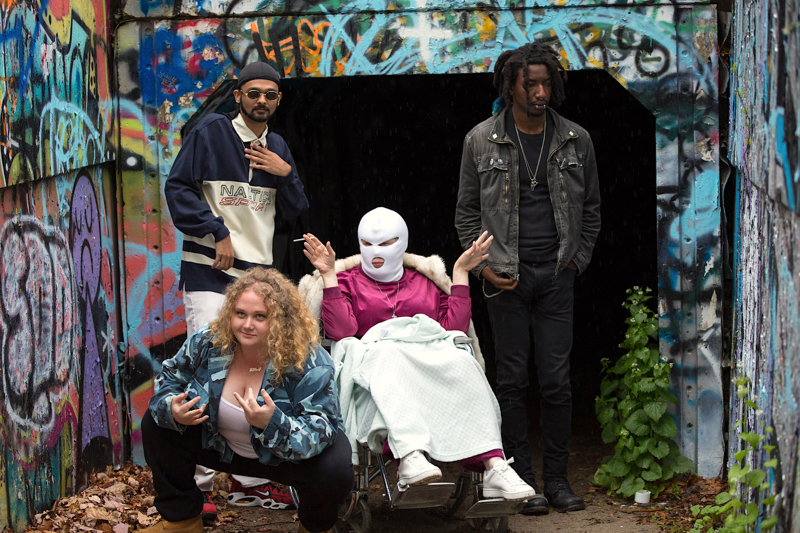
(632,409)
(730,514)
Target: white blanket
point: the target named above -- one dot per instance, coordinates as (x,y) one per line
(406,380)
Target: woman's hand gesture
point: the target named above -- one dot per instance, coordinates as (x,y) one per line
(471,258)
(323,258)
(321,255)
(256,415)
(476,253)
(182,411)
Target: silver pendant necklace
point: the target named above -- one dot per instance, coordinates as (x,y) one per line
(394,307)
(534,183)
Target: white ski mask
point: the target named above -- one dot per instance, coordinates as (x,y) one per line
(377,226)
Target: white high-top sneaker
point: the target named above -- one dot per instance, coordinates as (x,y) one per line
(503,482)
(415,469)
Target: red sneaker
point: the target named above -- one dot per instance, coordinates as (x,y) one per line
(209,512)
(267,495)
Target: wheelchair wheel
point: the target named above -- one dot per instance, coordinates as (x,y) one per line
(498,524)
(495,524)
(360,520)
(463,486)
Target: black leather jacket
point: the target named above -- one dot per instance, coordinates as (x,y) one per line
(488,193)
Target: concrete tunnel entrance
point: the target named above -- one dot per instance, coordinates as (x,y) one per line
(395,141)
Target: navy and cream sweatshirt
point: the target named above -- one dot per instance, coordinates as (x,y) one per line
(209,197)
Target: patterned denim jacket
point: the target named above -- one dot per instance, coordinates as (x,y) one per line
(306,419)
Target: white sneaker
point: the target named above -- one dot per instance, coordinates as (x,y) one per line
(415,469)
(503,482)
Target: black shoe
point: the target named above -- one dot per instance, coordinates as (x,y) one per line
(536,505)
(562,498)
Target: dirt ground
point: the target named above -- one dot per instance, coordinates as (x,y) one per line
(122,502)
(599,516)
(602,514)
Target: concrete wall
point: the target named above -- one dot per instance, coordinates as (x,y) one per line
(765,95)
(664,54)
(60,410)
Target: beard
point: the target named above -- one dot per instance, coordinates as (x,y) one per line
(252,116)
(531,110)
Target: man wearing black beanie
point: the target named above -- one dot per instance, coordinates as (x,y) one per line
(230,180)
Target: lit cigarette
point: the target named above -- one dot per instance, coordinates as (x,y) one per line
(298,240)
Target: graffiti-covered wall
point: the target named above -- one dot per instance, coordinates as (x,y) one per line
(60,410)
(56,106)
(765,102)
(665,54)
(60,398)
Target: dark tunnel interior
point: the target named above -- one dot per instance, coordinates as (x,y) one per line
(395,141)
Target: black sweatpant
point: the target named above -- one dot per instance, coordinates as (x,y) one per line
(322,482)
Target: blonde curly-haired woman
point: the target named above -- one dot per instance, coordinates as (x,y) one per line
(252,393)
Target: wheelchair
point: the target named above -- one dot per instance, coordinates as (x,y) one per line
(444,499)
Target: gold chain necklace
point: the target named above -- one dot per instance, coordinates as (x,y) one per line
(250,368)
(534,183)
(396,296)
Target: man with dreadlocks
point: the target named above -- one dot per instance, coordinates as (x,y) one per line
(529,177)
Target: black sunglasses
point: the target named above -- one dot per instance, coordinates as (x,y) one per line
(255,94)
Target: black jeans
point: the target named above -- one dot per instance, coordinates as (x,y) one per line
(322,482)
(544,302)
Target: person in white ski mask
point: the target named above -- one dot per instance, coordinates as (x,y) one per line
(376,288)
(383,239)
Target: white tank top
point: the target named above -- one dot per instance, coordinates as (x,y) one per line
(232,425)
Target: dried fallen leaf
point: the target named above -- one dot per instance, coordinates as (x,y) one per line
(145,520)
(121,528)
(119,487)
(228,516)
(98,513)
(114,504)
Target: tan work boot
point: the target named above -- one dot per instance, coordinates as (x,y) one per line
(302,529)
(192,525)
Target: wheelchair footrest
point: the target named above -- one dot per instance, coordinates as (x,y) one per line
(493,507)
(421,496)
